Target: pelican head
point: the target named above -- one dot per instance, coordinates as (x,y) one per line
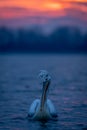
(45,80)
(44,77)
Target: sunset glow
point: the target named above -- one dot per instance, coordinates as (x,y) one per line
(32,9)
(54,6)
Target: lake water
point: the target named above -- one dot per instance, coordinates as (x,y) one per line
(19,86)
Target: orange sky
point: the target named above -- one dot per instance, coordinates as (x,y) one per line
(44,9)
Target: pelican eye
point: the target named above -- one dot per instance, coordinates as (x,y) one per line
(46,75)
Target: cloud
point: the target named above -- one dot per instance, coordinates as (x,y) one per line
(68,12)
(78,11)
(80,3)
(12,9)
(16,12)
(47,22)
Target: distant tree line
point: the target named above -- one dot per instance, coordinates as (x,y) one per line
(63,39)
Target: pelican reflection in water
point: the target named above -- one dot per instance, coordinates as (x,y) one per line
(43,109)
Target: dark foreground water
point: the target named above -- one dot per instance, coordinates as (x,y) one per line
(19,86)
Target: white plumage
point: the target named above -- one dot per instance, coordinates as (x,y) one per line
(43,109)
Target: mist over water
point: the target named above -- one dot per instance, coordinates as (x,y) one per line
(19,86)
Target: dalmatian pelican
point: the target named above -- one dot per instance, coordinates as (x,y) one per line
(43,108)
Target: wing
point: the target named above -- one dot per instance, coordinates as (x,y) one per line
(51,108)
(33,107)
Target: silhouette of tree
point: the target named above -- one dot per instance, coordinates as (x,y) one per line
(63,39)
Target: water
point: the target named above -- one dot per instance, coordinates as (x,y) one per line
(19,86)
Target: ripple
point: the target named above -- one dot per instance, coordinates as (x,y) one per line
(85,128)
(17,117)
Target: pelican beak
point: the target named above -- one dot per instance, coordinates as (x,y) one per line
(45,88)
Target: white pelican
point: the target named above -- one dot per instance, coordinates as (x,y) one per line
(43,109)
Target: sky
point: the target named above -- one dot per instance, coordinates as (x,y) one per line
(45,13)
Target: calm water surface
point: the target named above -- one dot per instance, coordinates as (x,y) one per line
(19,86)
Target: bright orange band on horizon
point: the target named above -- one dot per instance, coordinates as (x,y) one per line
(16,9)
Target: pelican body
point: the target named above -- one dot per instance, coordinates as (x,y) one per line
(43,109)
